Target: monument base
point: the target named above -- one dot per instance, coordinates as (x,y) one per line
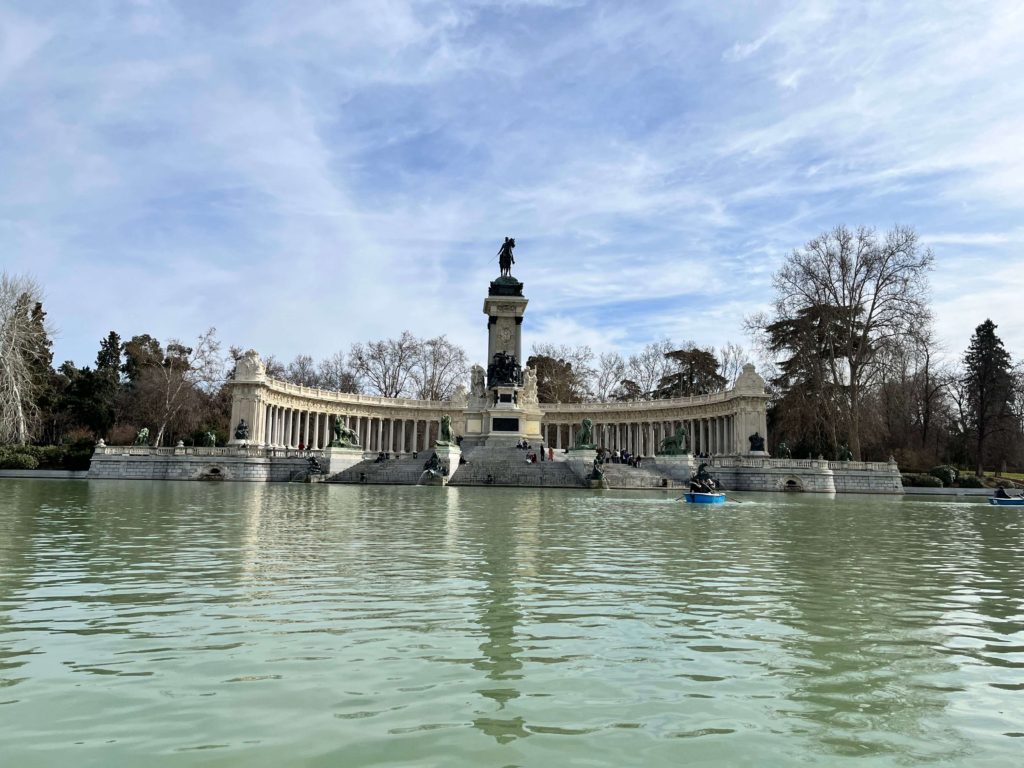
(339,459)
(680,467)
(581,462)
(448,456)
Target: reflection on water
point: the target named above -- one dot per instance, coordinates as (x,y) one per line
(230,624)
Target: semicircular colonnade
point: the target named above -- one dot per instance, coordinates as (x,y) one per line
(282,414)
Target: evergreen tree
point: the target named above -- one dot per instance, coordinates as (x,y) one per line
(108,359)
(140,352)
(988,384)
(696,374)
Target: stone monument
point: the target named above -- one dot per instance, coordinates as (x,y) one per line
(502,406)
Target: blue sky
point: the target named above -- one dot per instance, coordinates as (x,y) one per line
(303,175)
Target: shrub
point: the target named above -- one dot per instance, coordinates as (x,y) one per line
(945,473)
(51,456)
(970,481)
(920,481)
(18,461)
(78,455)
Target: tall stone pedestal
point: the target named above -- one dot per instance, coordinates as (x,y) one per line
(502,407)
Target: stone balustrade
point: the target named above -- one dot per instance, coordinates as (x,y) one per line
(246,451)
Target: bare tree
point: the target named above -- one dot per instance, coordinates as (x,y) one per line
(302,371)
(387,366)
(648,367)
(608,376)
(440,367)
(275,368)
(169,389)
(22,337)
(335,374)
(731,359)
(873,289)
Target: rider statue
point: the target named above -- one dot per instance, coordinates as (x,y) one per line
(505,257)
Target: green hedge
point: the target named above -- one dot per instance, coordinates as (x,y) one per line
(971,481)
(920,481)
(945,473)
(73,457)
(18,461)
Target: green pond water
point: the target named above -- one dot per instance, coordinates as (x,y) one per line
(191,624)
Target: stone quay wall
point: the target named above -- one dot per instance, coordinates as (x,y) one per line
(232,463)
(740,473)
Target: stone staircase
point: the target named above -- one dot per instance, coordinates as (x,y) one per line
(647,476)
(507,466)
(403,471)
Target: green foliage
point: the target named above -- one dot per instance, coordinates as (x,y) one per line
(88,398)
(696,374)
(920,481)
(77,456)
(556,379)
(19,460)
(988,384)
(141,352)
(945,473)
(970,481)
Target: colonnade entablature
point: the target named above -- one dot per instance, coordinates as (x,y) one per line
(281,414)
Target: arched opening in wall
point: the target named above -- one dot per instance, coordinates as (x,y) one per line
(212,473)
(792,484)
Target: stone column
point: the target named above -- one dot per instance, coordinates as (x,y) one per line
(316,429)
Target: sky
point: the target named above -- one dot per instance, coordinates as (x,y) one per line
(305,175)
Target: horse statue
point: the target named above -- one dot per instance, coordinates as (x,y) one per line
(585,437)
(142,438)
(343,436)
(505,257)
(675,444)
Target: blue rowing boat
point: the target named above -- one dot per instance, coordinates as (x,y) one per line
(705,498)
(1016,502)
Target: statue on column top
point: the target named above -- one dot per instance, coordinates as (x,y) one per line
(505,257)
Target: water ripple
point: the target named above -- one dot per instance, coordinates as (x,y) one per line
(312,625)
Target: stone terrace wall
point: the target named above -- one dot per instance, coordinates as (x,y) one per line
(813,475)
(241,464)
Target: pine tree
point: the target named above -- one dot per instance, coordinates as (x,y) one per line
(988,384)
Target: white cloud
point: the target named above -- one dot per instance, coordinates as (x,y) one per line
(306,179)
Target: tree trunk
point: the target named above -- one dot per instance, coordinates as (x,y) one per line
(979,470)
(854,444)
